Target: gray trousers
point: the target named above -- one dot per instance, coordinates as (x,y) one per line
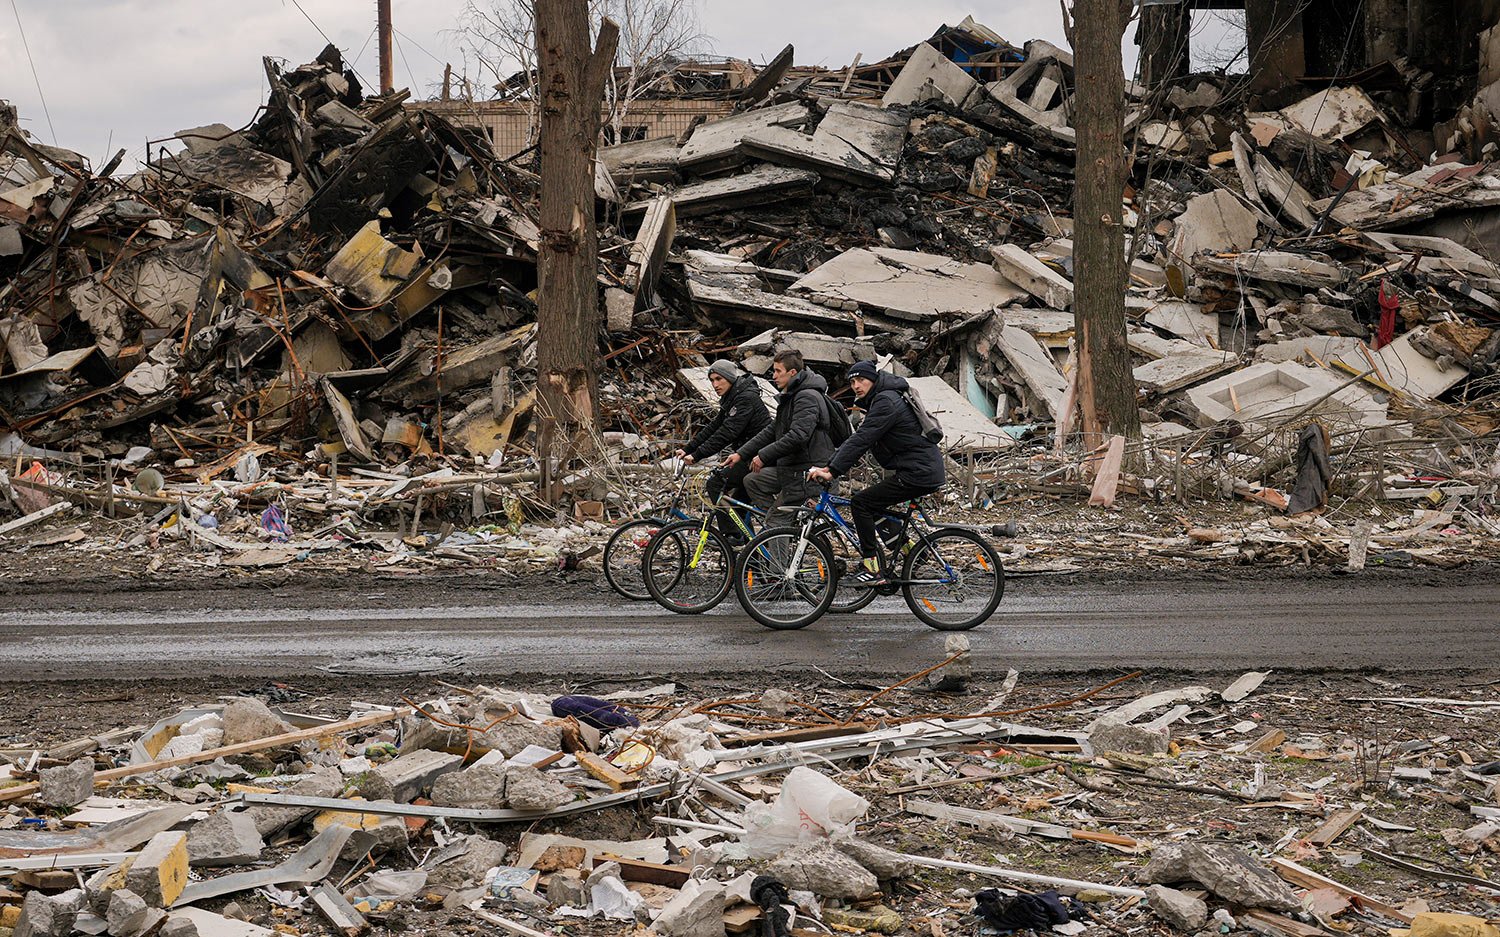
(780,490)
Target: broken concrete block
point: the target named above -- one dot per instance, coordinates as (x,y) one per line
(464,871)
(178,926)
(853,141)
(1182,911)
(910,284)
(1227,871)
(697,910)
(1328,320)
(929,75)
(325,782)
(411,775)
(476,786)
(49,915)
(126,914)
(1333,113)
(1260,394)
(883,863)
(1035,366)
(527,788)
(1311,271)
(1177,371)
(1213,222)
(566,889)
(159,872)
(68,785)
(1111,735)
(247,719)
(1052,288)
(224,838)
(825,871)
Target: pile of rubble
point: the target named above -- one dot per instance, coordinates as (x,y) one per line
(793,812)
(321,326)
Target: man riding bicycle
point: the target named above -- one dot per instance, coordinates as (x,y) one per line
(796,440)
(890,432)
(742,415)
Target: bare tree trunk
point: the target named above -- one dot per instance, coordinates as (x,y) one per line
(572,87)
(1106,388)
(1163,34)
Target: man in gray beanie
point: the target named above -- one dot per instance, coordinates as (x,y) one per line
(742,414)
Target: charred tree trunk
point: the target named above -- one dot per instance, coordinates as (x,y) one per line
(571,88)
(1163,33)
(1106,388)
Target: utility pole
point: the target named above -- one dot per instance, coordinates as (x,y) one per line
(1106,387)
(383,27)
(571,86)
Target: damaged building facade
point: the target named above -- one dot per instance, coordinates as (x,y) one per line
(331,312)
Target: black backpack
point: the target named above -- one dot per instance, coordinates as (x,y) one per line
(839,427)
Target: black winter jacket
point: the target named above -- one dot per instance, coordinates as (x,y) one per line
(891,434)
(742,414)
(798,437)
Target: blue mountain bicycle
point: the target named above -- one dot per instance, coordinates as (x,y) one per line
(787,577)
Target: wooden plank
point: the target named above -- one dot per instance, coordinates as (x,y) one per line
(654,873)
(1283,924)
(1335,826)
(35,517)
(226,751)
(808,734)
(1267,743)
(741,919)
(606,772)
(1306,878)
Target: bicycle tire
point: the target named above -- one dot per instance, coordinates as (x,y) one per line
(846,599)
(622,557)
(971,561)
(676,584)
(766,558)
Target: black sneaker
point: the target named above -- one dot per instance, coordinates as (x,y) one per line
(864,579)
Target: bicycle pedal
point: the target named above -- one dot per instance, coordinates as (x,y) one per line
(888,589)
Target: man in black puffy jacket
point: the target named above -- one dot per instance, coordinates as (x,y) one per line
(890,432)
(742,414)
(796,440)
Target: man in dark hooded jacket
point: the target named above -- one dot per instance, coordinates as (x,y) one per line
(742,414)
(796,440)
(890,432)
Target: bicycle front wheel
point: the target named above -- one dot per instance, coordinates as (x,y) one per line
(954,580)
(687,568)
(846,561)
(784,581)
(622,557)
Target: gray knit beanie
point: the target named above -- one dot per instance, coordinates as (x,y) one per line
(726,369)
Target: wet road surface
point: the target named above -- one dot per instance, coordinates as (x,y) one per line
(1042,625)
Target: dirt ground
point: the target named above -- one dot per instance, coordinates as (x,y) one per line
(1342,748)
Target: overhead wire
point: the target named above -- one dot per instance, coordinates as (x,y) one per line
(298,5)
(34,77)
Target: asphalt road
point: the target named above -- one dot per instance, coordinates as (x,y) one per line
(1041,626)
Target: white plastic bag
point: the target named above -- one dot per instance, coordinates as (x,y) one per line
(810,806)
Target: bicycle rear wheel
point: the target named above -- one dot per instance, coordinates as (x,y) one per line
(954,580)
(687,568)
(784,581)
(622,556)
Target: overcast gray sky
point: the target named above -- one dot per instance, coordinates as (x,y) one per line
(116,73)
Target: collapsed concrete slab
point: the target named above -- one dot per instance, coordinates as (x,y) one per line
(1263,394)
(758,187)
(1033,276)
(1278,267)
(929,75)
(855,142)
(909,284)
(965,428)
(719,144)
(1035,366)
(1213,222)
